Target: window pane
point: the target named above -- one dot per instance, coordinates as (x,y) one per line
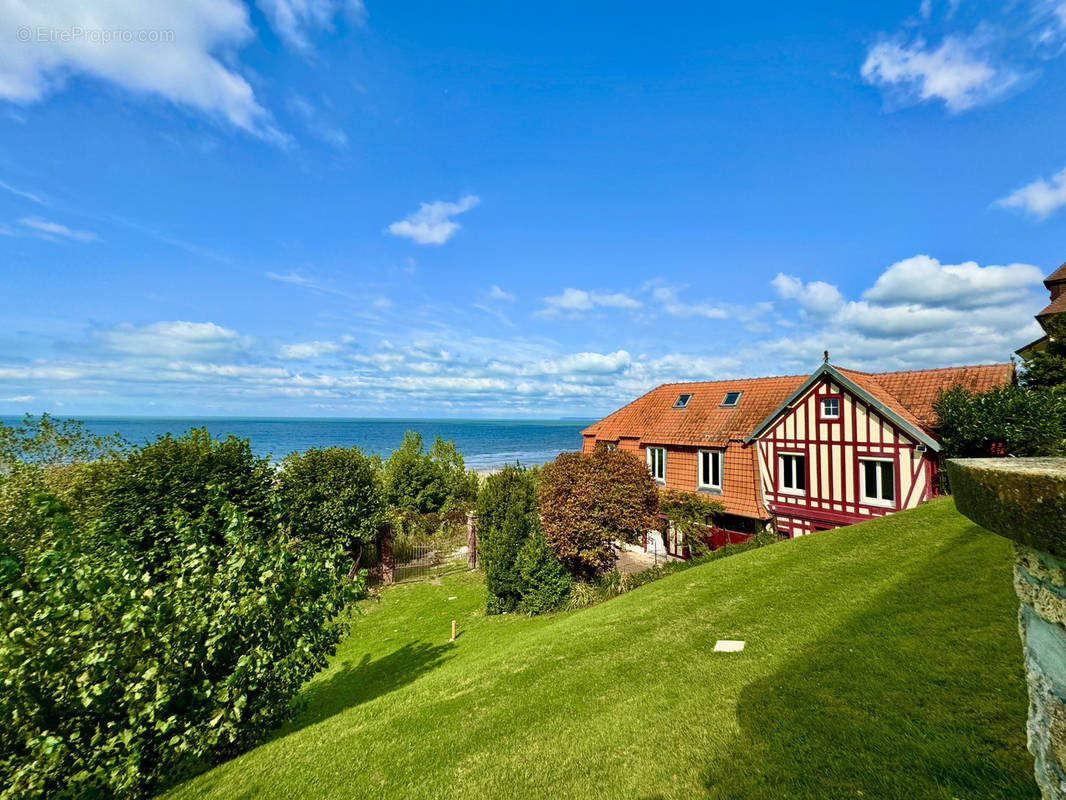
(888,483)
(786,471)
(801,473)
(716,462)
(869,472)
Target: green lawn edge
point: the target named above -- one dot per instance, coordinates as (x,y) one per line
(882,660)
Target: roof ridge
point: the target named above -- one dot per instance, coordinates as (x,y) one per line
(940,369)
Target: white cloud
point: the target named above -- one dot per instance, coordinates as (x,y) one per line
(174,339)
(53,230)
(672,304)
(571,301)
(923,279)
(496,293)
(1039,198)
(956,72)
(432,223)
(587,364)
(295,20)
(7,187)
(179,50)
(918,313)
(19,398)
(316,124)
(815,297)
(308,349)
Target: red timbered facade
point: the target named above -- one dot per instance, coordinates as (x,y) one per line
(839,451)
(799,453)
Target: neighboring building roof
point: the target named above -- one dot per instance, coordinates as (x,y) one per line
(1056,306)
(1058,276)
(906,396)
(1034,347)
(917,389)
(703,421)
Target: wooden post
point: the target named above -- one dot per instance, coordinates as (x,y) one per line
(388,572)
(453,631)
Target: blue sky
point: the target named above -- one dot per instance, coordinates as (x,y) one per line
(321,207)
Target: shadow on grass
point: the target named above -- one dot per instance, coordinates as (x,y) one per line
(354,683)
(920,696)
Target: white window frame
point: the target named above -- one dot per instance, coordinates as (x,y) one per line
(738,392)
(716,456)
(781,488)
(821,410)
(877,501)
(651,457)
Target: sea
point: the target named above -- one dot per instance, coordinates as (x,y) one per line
(485,444)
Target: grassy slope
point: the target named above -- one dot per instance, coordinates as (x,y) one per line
(882,661)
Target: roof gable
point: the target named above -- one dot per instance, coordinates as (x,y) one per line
(865,387)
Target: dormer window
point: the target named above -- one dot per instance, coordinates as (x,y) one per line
(682,400)
(731,399)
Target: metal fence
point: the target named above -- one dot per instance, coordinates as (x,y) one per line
(413,561)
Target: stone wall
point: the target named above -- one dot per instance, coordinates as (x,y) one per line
(1040,580)
(1024,499)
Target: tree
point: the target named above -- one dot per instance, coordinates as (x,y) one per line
(334,498)
(1047,368)
(507,514)
(47,442)
(1004,421)
(116,680)
(424,482)
(589,501)
(691,514)
(140,496)
(412,480)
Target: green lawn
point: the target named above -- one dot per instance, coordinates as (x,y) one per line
(882,661)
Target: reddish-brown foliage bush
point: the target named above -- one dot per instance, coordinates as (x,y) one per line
(588,501)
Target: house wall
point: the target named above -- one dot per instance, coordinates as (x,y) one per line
(740,486)
(832,451)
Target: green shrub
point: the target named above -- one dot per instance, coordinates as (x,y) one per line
(691,514)
(590,501)
(333,498)
(116,679)
(424,482)
(24,529)
(506,519)
(1004,421)
(1048,367)
(142,495)
(544,584)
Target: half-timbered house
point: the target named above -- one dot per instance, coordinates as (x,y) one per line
(801,453)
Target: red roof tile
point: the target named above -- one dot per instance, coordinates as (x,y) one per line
(916,390)
(653,418)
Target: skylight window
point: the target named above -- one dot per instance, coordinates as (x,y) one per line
(682,400)
(731,399)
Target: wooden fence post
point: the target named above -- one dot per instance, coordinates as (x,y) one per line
(471,539)
(385,557)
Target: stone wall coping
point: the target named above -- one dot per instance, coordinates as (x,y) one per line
(1022,499)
